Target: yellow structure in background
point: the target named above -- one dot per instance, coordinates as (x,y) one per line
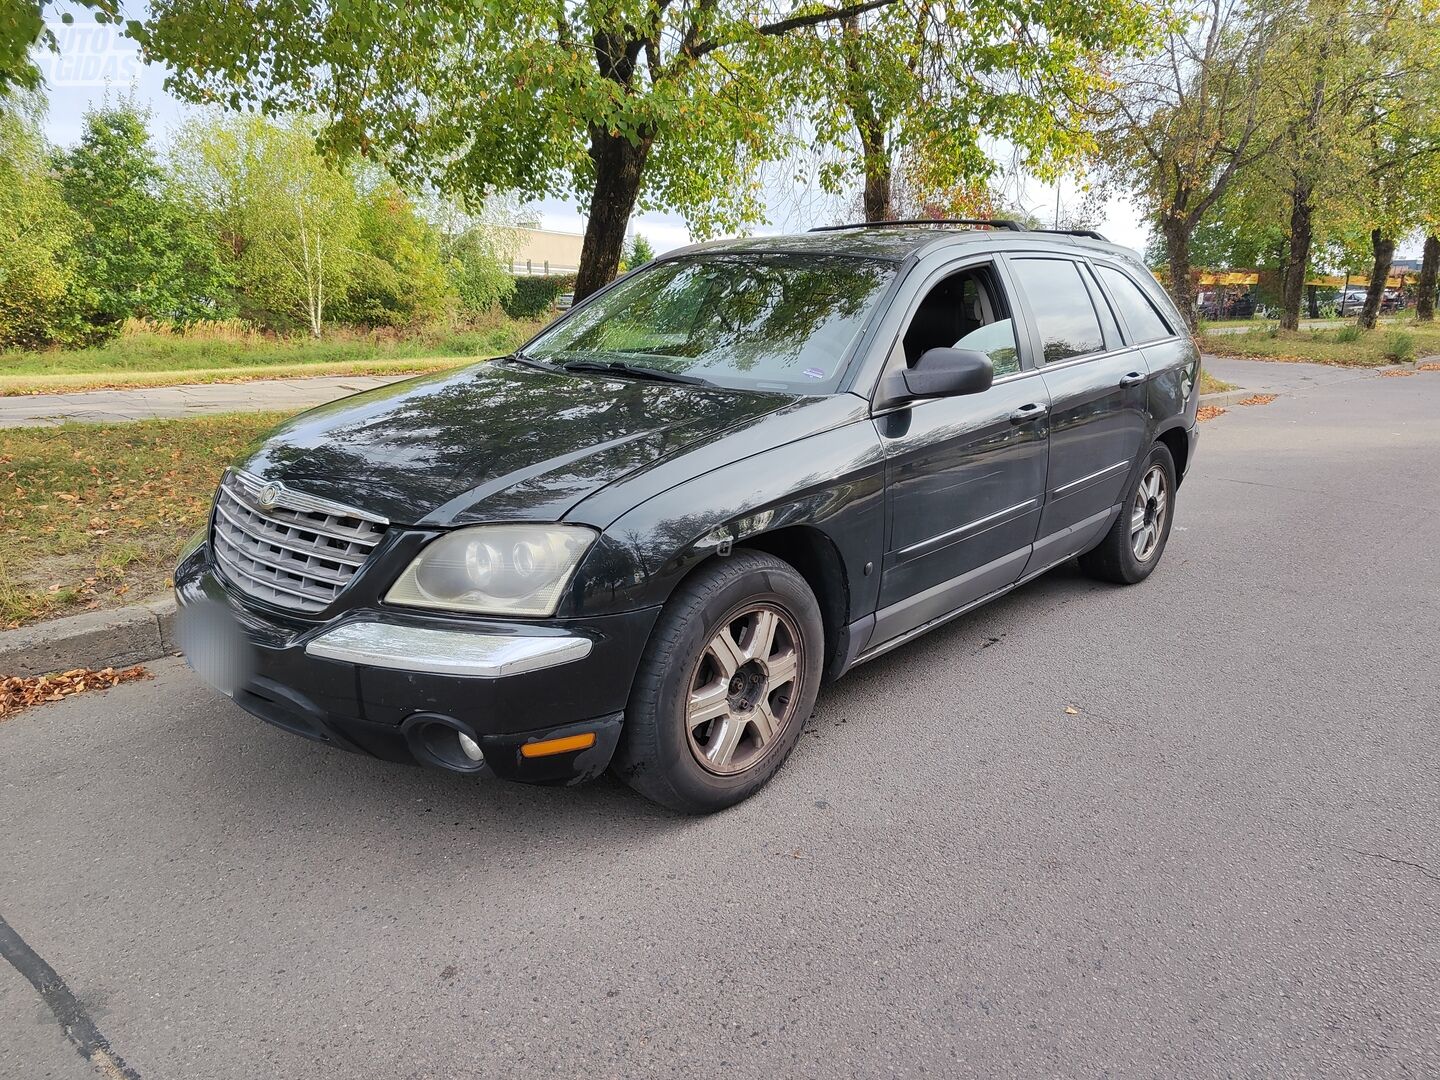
(1213,278)
(543,252)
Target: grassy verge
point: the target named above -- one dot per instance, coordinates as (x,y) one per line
(1347,346)
(152,355)
(94,514)
(1211,385)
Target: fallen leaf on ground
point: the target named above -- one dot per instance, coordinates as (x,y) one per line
(1208,412)
(1427,367)
(1070,710)
(1258,399)
(1395,374)
(18,692)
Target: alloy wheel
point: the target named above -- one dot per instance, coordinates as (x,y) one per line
(744,688)
(1147,514)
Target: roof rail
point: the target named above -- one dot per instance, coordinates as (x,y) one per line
(994,223)
(1091,233)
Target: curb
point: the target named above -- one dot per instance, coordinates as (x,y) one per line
(92,639)
(1230,397)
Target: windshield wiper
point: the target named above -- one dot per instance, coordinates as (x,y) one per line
(530,361)
(635,371)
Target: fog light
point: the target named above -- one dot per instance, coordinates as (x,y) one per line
(470,747)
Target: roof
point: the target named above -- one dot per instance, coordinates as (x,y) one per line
(895,242)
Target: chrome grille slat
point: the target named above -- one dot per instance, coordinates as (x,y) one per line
(298,559)
(268,533)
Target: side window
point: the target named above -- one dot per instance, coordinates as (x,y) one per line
(1139,313)
(1064,314)
(967,310)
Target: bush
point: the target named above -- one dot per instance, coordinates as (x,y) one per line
(1347,334)
(1400,347)
(536,296)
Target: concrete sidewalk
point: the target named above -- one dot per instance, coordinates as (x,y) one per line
(170,402)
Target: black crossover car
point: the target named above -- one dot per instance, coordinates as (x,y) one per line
(645,540)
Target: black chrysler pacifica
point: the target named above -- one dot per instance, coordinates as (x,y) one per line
(646,539)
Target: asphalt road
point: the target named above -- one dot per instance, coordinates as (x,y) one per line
(1226,862)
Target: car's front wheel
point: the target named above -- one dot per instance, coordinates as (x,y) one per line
(1134,544)
(725,686)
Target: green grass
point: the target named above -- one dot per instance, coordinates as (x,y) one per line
(1346,346)
(94,514)
(1211,385)
(151,355)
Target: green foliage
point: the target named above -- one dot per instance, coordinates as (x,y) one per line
(399,277)
(1400,346)
(637,252)
(37,243)
(536,296)
(1347,334)
(22,28)
(287,219)
(139,251)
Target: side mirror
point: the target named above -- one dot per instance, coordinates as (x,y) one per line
(949,373)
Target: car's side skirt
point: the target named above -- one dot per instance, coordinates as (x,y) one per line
(1052,551)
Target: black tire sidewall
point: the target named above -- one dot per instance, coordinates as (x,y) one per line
(1135,570)
(656,757)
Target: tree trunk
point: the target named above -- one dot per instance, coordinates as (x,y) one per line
(877,174)
(1312,301)
(1384,249)
(1177,256)
(1429,271)
(1297,259)
(619,165)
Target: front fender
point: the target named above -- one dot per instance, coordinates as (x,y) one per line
(833,481)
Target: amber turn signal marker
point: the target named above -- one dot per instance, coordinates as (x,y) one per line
(558,746)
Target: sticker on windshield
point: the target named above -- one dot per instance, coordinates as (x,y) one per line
(814,373)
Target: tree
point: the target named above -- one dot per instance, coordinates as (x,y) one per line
(36,241)
(935,82)
(138,251)
(1400,128)
(286,219)
(1425,287)
(642,103)
(1177,129)
(23,28)
(638,252)
(400,277)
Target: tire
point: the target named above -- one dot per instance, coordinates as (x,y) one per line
(709,723)
(1127,556)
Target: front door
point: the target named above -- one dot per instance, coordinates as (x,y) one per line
(1097,389)
(966,474)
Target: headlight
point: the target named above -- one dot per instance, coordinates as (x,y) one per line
(494,569)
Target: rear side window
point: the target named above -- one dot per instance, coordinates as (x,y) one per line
(1135,307)
(1064,314)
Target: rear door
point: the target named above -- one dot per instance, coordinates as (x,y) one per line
(1098,415)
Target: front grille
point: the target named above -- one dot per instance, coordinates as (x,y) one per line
(298,554)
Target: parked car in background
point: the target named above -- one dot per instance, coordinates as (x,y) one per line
(646,539)
(1217,305)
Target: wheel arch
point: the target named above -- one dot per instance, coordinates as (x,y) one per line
(1177,442)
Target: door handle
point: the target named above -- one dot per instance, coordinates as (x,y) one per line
(1034,411)
(1132,378)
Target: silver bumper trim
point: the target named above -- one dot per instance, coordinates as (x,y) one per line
(445,652)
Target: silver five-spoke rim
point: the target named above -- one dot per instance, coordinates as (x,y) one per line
(744,688)
(1147,514)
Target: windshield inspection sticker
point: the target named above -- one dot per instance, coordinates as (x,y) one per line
(814,373)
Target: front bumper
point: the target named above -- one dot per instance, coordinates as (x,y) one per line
(506,685)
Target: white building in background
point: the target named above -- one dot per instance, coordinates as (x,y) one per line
(543,252)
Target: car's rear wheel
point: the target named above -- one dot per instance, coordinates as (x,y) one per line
(1133,546)
(725,686)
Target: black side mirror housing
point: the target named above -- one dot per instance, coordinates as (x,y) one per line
(949,373)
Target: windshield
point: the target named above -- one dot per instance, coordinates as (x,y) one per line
(761,322)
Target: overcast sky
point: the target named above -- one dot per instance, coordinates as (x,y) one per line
(96,61)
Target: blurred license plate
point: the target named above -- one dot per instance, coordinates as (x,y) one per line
(215,646)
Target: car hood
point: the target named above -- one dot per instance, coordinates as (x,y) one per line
(495,442)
